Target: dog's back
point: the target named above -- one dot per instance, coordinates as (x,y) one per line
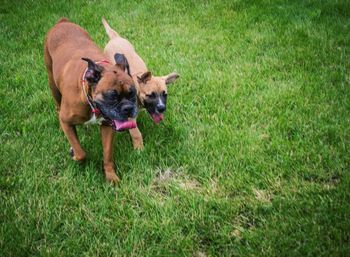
(68,35)
(65,44)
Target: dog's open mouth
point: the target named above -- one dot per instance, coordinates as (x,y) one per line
(118,125)
(157,117)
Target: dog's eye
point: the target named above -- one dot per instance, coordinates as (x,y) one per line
(111,96)
(153,95)
(132,92)
(164,94)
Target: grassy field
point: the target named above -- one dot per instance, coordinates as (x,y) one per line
(252,159)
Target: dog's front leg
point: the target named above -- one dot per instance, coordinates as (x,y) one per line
(136,138)
(107,136)
(78,153)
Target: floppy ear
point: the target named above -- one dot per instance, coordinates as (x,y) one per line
(170,78)
(93,73)
(122,62)
(144,77)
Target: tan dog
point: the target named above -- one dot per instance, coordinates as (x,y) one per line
(151,90)
(83,92)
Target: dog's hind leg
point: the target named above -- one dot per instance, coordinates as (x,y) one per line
(56,95)
(77,152)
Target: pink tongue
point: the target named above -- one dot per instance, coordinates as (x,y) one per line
(122,125)
(157,117)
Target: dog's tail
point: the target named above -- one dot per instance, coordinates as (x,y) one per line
(62,19)
(110,32)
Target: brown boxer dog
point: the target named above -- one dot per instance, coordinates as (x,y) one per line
(151,90)
(88,89)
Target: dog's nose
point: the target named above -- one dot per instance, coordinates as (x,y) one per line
(127,109)
(161,108)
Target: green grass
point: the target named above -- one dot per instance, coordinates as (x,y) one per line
(252,158)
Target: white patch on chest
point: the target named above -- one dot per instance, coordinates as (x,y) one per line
(94,120)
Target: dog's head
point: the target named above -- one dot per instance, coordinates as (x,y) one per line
(152,93)
(113,92)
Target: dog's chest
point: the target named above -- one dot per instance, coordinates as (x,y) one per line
(94,120)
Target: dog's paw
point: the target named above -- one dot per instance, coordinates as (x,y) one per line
(112,178)
(138,146)
(79,159)
(71,152)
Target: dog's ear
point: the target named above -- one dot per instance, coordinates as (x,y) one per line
(93,73)
(170,78)
(144,77)
(122,62)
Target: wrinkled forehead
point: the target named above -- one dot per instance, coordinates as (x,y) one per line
(155,84)
(111,68)
(114,79)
